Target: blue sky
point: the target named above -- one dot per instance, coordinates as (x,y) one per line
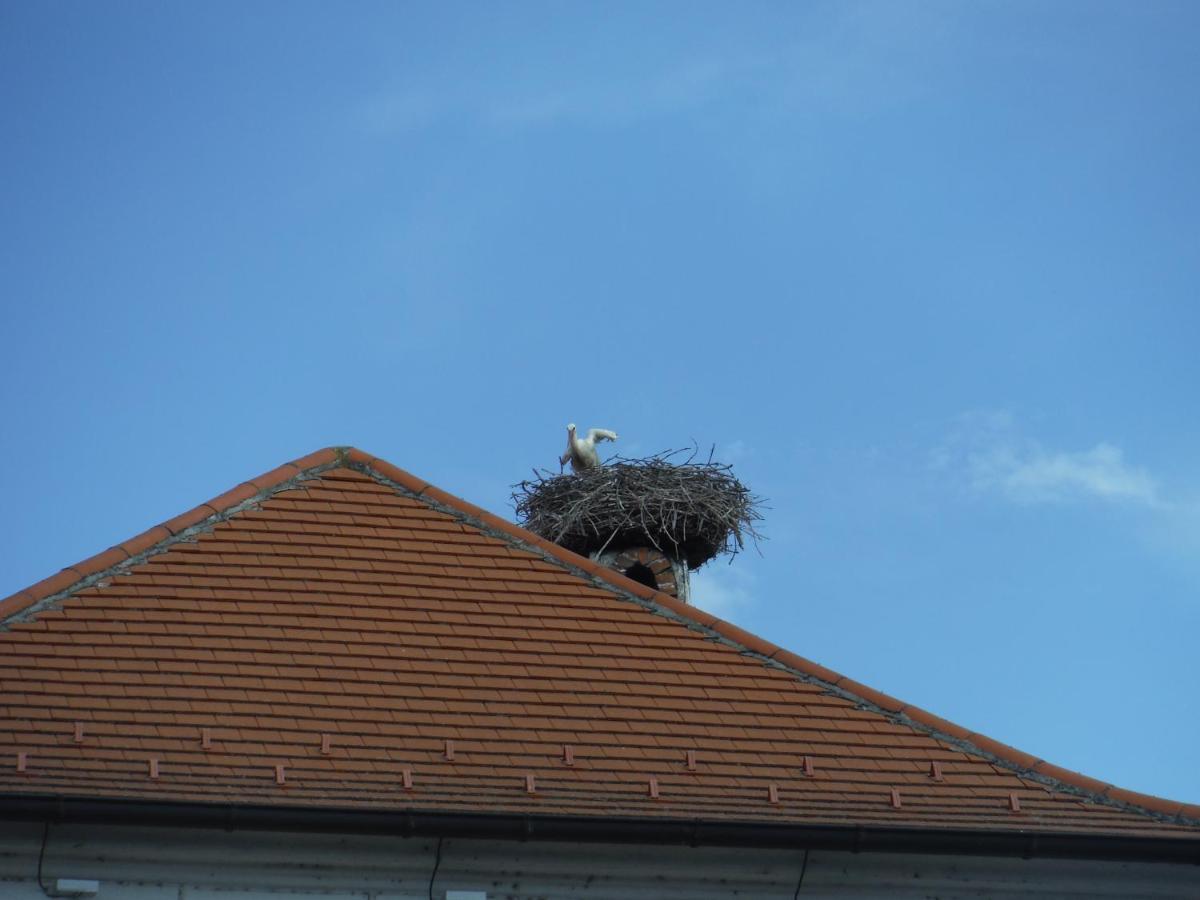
(926,274)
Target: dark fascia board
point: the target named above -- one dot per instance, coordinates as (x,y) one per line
(583,829)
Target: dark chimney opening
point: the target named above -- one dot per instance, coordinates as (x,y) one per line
(642,574)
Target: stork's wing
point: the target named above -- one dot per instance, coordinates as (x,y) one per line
(601,434)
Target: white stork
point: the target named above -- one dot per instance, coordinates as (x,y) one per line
(582,452)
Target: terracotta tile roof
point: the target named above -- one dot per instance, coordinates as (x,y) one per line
(338,633)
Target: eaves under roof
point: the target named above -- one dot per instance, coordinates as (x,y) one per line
(339,635)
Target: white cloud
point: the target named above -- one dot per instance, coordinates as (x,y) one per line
(1038,475)
(988,450)
(722,589)
(988,455)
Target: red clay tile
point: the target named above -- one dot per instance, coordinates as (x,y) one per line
(389,471)
(746,639)
(275,476)
(937,723)
(101,561)
(349,610)
(880,699)
(192,517)
(1155,804)
(145,540)
(233,497)
(317,458)
(816,670)
(1005,752)
(14,603)
(1075,779)
(49,586)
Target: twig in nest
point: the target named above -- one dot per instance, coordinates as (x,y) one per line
(693,510)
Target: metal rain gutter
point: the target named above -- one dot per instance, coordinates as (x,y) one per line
(522,827)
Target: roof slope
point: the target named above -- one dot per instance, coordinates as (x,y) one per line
(338,633)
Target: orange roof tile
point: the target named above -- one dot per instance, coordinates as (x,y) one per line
(338,633)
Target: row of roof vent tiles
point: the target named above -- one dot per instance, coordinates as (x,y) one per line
(806,765)
(153,771)
(691,763)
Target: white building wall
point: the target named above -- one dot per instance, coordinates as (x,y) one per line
(133,863)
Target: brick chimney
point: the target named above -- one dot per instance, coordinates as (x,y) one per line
(650,567)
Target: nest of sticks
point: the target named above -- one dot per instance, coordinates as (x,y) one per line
(689,510)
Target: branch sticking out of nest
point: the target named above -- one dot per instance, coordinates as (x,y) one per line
(690,510)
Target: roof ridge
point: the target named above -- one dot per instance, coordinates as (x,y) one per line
(26,603)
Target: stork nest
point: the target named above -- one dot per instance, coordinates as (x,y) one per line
(689,510)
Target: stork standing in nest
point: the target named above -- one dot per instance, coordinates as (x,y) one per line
(582,451)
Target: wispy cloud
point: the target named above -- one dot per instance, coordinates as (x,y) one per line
(1038,475)
(993,456)
(853,60)
(613,100)
(619,100)
(399,112)
(722,590)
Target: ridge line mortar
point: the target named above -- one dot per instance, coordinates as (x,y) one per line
(206,524)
